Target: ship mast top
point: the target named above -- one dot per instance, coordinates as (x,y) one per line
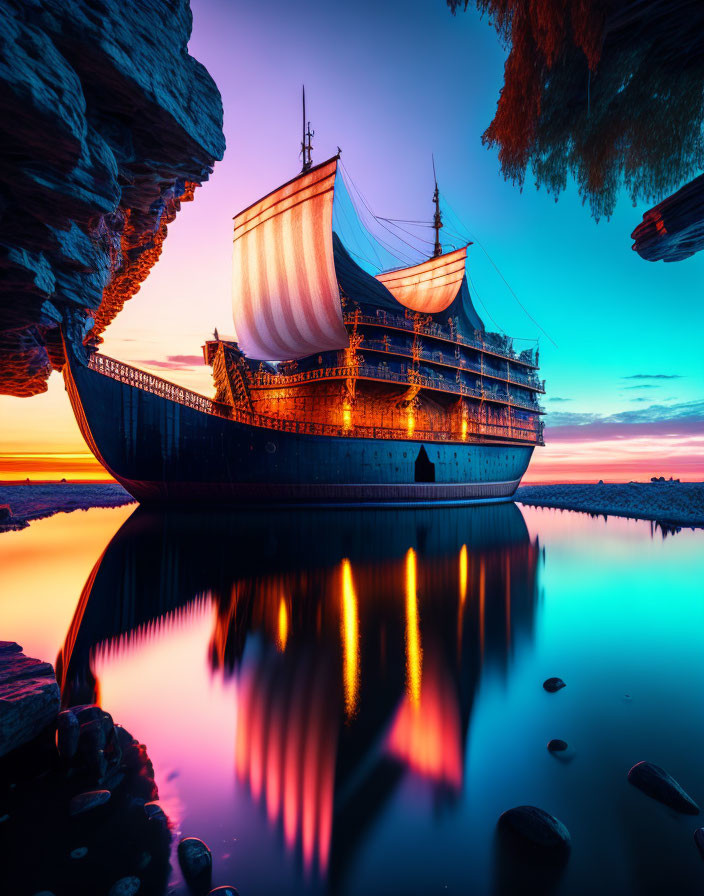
(437,217)
(306,146)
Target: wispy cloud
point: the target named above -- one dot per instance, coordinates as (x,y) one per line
(175,362)
(653,376)
(554,398)
(683,419)
(644,386)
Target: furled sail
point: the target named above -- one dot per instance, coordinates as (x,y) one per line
(286,301)
(428,287)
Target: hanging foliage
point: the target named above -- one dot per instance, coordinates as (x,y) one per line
(610,92)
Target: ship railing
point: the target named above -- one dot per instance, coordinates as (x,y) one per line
(410,377)
(133,376)
(488,344)
(148,382)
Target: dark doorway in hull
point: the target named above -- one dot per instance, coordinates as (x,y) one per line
(425,469)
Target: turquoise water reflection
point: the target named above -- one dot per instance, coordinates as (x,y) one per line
(345,702)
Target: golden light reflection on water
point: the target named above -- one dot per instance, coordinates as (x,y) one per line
(414,651)
(463,574)
(463,577)
(350,640)
(283,624)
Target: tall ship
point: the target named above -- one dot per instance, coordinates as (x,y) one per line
(340,386)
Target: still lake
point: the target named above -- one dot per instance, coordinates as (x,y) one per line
(344,702)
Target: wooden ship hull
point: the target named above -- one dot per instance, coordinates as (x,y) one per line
(179,446)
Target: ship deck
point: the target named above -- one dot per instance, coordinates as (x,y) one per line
(477,432)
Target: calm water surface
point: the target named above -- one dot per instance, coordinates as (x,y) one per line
(345,702)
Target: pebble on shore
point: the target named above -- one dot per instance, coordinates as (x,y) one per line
(196,861)
(84,802)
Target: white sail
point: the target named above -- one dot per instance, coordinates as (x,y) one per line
(428,287)
(286,301)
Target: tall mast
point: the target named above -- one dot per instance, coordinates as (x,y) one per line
(306,146)
(437,218)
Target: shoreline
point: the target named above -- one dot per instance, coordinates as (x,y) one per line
(34,501)
(679,504)
(671,504)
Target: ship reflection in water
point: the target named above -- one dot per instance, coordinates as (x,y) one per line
(355,642)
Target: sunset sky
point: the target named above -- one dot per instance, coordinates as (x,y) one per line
(392,84)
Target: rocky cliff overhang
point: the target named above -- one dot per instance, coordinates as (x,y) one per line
(674,228)
(108,125)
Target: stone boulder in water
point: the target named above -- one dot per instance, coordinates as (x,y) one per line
(108,125)
(656,783)
(196,862)
(537,828)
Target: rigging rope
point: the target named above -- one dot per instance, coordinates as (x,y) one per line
(397,253)
(496,268)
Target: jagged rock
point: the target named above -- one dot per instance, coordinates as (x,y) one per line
(699,840)
(554,684)
(537,827)
(108,125)
(29,697)
(673,229)
(557,746)
(196,861)
(126,886)
(656,783)
(84,802)
(67,732)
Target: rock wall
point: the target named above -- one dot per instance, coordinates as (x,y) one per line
(108,125)
(29,697)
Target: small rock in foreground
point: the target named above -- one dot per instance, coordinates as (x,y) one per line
(153,811)
(554,684)
(537,827)
(83,802)
(195,860)
(699,840)
(656,783)
(126,886)
(557,746)
(67,733)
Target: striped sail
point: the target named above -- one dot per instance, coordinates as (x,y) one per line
(286,301)
(428,287)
